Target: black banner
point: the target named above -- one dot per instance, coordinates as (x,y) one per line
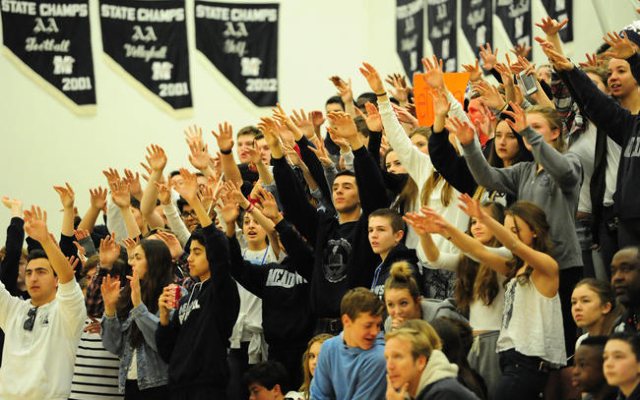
(560,10)
(147,42)
(441,22)
(51,43)
(410,34)
(241,41)
(516,19)
(477,22)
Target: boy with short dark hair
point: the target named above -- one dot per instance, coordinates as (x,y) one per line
(267,381)
(352,365)
(588,377)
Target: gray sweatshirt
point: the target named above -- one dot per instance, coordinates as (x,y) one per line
(555,189)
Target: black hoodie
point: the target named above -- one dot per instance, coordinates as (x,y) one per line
(195,342)
(399,253)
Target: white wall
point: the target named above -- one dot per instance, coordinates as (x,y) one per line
(44,144)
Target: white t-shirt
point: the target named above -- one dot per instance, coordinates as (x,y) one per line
(38,364)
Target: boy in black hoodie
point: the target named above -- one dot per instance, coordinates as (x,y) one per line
(386,230)
(194,341)
(343,256)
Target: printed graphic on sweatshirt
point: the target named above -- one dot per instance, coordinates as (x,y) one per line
(50,42)
(241,42)
(283,278)
(146,43)
(442,23)
(186,308)
(516,19)
(633,148)
(410,34)
(336,256)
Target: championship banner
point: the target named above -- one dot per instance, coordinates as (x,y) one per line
(410,34)
(516,19)
(50,42)
(146,43)
(241,42)
(477,22)
(560,10)
(441,22)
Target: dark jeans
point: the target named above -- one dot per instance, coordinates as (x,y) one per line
(568,279)
(132,392)
(238,360)
(522,377)
(585,238)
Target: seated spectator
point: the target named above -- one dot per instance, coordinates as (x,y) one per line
(588,377)
(621,364)
(625,280)
(42,333)
(351,365)
(267,381)
(594,308)
(417,368)
(309,362)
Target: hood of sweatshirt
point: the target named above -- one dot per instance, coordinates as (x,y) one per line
(438,367)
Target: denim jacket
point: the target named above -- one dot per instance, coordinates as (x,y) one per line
(152,371)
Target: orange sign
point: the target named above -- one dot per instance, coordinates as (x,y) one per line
(456,83)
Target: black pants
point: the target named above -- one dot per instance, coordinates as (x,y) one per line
(198,393)
(238,360)
(629,232)
(608,238)
(291,358)
(522,377)
(568,279)
(132,392)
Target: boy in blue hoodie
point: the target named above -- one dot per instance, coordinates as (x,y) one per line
(352,364)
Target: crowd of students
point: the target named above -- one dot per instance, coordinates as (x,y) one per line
(379,260)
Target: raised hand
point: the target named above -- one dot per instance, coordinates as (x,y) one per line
(521,49)
(489,58)
(344,88)
(253,153)
(471,207)
(112,176)
(134,282)
(164,191)
(317,119)
(134,183)
(550,26)
(489,93)
(463,131)
(622,46)
(109,250)
(303,121)
(120,194)
(423,224)
(110,290)
(343,125)
(35,224)
(98,198)
(519,120)
(338,140)
(557,60)
(199,156)
(225,137)
(373,78)
(229,210)
(156,158)
(441,104)
(193,135)
(130,244)
(434,77)
(372,118)
(268,205)
(207,194)
(405,116)
(293,157)
(321,152)
(592,61)
(93,327)
(67,195)
(474,71)
(172,242)
(282,117)
(505,73)
(399,89)
(14,205)
(234,193)
(189,188)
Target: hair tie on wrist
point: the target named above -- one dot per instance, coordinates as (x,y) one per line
(381,94)
(250,208)
(225,152)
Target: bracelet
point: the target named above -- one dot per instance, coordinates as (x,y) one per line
(250,208)
(449,238)
(225,152)
(381,94)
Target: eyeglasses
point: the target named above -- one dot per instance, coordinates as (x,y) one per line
(28,324)
(187,214)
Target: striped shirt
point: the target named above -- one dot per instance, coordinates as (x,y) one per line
(95,374)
